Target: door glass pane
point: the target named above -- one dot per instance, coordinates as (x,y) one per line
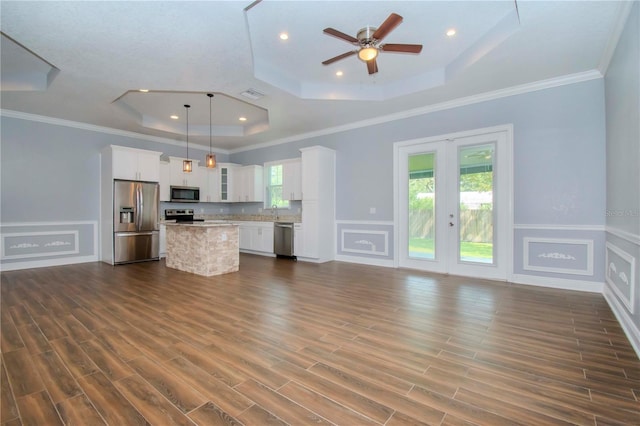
(422,206)
(475,215)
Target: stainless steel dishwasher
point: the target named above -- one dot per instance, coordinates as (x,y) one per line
(283,239)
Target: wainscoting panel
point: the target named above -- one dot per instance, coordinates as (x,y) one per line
(620,275)
(368,242)
(558,255)
(365,242)
(30,245)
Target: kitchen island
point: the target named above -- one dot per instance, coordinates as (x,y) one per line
(203,248)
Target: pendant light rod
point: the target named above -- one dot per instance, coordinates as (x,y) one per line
(210,160)
(210,95)
(187,166)
(187,108)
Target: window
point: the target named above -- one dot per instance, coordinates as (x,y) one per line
(274,178)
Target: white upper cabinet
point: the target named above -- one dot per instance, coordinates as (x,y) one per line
(210,190)
(180,178)
(247,184)
(312,173)
(165,181)
(134,164)
(225,183)
(292,179)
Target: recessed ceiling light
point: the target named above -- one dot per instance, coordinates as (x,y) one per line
(284,36)
(451,32)
(242,118)
(174,117)
(143,90)
(339,73)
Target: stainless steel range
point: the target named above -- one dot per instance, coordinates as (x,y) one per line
(181,215)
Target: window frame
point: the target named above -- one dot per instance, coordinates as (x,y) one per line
(268,204)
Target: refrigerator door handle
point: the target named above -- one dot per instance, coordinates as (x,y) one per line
(138,207)
(134,234)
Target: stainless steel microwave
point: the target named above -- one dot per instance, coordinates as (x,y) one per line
(185,194)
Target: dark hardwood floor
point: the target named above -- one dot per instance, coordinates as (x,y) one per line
(295,343)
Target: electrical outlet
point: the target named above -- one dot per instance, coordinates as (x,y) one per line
(372,210)
(221,210)
(242,210)
(201,210)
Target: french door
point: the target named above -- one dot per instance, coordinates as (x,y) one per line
(453,203)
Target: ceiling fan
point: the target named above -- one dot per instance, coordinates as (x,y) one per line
(367,40)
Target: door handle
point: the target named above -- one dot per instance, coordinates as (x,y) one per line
(450,223)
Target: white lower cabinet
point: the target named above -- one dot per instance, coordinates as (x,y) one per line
(298,240)
(314,234)
(256,237)
(244,236)
(163,240)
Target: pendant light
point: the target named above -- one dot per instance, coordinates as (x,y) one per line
(211,157)
(187,165)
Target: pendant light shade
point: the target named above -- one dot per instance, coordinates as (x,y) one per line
(211,161)
(187,165)
(211,157)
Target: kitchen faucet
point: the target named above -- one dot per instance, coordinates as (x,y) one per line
(274,210)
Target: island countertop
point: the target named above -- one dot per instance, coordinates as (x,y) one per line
(201,224)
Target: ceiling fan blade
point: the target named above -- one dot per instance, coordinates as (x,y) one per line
(372,66)
(406,48)
(387,26)
(340,35)
(337,58)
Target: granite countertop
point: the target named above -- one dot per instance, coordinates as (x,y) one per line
(201,224)
(241,218)
(249,217)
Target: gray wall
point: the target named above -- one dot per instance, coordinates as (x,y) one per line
(50,182)
(50,172)
(558,154)
(559,166)
(622,85)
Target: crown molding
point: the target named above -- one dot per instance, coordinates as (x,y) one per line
(456,103)
(624,9)
(100,129)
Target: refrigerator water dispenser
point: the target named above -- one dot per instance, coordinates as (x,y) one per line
(126,215)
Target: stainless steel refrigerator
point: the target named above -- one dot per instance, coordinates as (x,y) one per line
(136,234)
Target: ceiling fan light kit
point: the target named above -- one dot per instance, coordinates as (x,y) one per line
(367,41)
(367,53)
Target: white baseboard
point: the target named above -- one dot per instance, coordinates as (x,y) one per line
(626,322)
(14,266)
(259,253)
(559,283)
(387,263)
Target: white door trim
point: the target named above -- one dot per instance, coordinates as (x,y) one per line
(508,181)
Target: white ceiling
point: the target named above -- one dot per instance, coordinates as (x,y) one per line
(94,56)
